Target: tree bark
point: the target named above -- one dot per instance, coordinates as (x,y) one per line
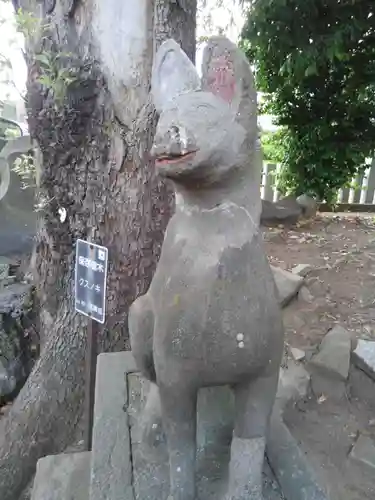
(176,19)
(97,168)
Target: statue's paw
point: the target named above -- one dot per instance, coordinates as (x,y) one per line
(153,454)
(253,492)
(246,496)
(153,441)
(152,432)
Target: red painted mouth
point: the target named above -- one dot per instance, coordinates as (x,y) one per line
(170,160)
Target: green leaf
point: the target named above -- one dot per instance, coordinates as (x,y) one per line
(43,59)
(45,80)
(311,70)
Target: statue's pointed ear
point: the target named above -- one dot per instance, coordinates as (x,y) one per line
(172,74)
(226,73)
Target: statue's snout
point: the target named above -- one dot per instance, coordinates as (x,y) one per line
(175,142)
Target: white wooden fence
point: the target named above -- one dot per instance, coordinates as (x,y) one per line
(360,192)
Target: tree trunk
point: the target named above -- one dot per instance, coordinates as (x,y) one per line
(174,21)
(95,166)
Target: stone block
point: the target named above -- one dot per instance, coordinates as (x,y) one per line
(7,381)
(17,215)
(214,423)
(215,419)
(302,269)
(13,297)
(298,354)
(326,387)
(62,477)
(289,464)
(15,350)
(333,358)
(284,212)
(308,204)
(294,382)
(10,280)
(4,268)
(304,295)
(288,284)
(111,466)
(364,356)
(364,451)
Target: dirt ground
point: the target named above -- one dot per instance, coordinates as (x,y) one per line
(341,248)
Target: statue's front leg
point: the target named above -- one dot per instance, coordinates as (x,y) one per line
(153,440)
(254,402)
(141,332)
(178,406)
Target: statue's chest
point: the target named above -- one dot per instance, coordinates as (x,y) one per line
(205,253)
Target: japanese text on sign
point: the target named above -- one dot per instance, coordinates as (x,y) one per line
(90,280)
(91,264)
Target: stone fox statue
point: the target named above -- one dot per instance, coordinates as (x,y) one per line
(211,316)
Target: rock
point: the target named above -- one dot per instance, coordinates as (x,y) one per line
(311,280)
(341,260)
(12,298)
(304,295)
(15,346)
(308,204)
(282,212)
(333,358)
(17,215)
(327,388)
(62,477)
(10,280)
(274,235)
(287,284)
(294,382)
(364,356)
(302,269)
(316,287)
(297,354)
(364,451)
(7,381)
(4,411)
(4,268)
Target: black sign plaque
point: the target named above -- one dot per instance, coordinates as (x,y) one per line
(91,280)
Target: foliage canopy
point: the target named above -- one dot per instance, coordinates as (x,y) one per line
(315,61)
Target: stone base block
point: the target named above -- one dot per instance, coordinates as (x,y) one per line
(62,477)
(125,467)
(214,436)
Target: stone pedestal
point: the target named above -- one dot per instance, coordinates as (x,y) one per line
(62,477)
(214,434)
(123,467)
